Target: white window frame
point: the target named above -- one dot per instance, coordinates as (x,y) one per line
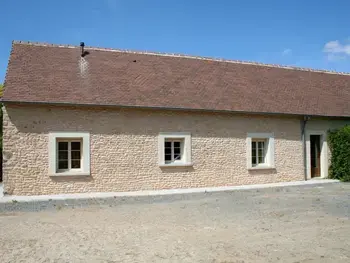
(172,141)
(257,151)
(269,150)
(69,141)
(185,139)
(84,138)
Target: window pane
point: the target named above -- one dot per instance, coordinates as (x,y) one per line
(62,155)
(261,145)
(167,150)
(253,149)
(75,145)
(168,157)
(177,157)
(254,153)
(76,155)
(261,155)
(253,160)
(253,156)
(177,144)
(167,144)
(177,150)
(75,164)
(63,146)
(261,159)
(253,145)
(63,164)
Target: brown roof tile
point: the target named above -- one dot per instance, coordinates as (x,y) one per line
(57,74)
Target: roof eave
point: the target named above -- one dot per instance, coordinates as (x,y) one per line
(167,108)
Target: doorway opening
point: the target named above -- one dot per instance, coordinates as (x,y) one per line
(315,151)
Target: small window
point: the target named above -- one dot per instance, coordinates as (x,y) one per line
(69,155)
(172,151)
(258,152)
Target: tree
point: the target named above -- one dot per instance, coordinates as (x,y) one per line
(1,89)
(339,142)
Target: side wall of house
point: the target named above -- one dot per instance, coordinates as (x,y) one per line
(124,149)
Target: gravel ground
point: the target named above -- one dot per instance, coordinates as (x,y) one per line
(292,224)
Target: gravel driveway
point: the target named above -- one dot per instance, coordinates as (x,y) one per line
(292,224)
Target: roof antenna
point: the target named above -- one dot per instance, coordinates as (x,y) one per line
(82,45)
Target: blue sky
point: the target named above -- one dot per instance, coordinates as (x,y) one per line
(302,33)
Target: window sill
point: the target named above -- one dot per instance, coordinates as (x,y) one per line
(261,167)
(176,165)
(70,173)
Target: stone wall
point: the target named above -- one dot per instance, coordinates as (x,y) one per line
(124,149)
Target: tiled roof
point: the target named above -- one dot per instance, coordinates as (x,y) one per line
(45,73)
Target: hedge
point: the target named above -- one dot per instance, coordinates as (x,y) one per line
(1,90)
(339,143)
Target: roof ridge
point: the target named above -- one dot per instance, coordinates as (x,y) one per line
(185,56)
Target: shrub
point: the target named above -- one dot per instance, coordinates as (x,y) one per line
(1,90)
(339,143)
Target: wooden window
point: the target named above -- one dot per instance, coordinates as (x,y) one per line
(69,155)
(258,152)
(172,151)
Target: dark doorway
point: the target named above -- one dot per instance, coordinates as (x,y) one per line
(315,144)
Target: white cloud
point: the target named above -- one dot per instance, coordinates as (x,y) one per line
(286,52)
(335,57)
(336,51)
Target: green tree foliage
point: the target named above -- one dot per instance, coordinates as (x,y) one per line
(339,142)
(1,90)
